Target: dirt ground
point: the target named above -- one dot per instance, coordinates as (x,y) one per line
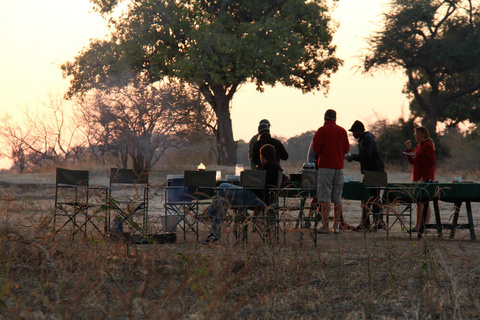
(35,193)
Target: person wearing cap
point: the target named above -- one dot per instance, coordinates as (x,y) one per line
(370,160)
(254,139)
(263,139)
(228,194)
(331,144)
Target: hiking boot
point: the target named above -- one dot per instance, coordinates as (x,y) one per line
(362,227)
(380,226)
(211,239)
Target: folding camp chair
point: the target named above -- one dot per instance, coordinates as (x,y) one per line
(73,206)
(128,201)
(184,201)
(250,181)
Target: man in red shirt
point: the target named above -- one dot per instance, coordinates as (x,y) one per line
(331,144)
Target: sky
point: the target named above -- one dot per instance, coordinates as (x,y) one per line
(38,36)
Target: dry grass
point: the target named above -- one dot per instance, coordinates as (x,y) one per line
(351,275)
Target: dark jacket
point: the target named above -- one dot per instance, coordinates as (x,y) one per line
(369,154)
(273,168)
(280,152)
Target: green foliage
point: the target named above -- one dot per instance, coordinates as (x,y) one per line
(215,45)
(437,43)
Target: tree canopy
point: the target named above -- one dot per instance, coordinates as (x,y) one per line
(437,44)
(215,45)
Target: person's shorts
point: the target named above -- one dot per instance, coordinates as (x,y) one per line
(329,185)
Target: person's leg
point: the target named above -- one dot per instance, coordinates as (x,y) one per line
(418,221)
(223,199)
(337,214)
(420,208)
(324,195)
(325,211)
(337,199)
(377,207)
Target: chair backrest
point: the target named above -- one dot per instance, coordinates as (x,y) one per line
(376,179)
(309,179)
(279,179)
(72,177)
(200,178)
(128,176)
(253,178)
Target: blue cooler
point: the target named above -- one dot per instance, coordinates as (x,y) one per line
(176,190)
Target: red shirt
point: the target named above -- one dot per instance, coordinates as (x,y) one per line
(424,162)
(330,143)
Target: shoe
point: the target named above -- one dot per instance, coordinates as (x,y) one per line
(412,230)
(346,226)
(336,231)
(380,226)
(211,239)
(323,231)
(361,227)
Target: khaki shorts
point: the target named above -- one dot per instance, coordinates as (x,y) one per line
(330,185)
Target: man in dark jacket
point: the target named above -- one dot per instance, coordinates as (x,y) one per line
(266,138)
(252,142)
(370,160)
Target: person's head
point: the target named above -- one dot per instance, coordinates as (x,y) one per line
(263,128)
(267,153)
(265,121)
(421,134)
(357,129)
(330,114)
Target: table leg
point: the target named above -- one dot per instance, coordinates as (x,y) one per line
(456,213)
(438,221)
(470,220)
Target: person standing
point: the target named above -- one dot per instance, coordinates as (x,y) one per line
(423,162)
(263,139)
(254,139)
(370,160)
(331,144)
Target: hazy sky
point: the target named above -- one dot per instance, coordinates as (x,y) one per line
(38,36)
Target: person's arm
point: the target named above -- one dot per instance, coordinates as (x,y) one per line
(311,155)
(366,151)
(317,142)
(282,153)
(256,155)
(425,157)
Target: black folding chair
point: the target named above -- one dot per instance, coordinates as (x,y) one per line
(73,206)
(250,181)
(185,200)
(128,201)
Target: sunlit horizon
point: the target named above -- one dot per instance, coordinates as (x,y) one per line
(37,37)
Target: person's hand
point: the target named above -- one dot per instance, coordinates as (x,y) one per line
(408,144)
(349,158)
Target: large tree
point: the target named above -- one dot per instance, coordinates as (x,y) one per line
(216,45)
(437,44)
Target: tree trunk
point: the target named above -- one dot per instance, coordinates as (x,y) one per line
(227,153)
(219,98)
